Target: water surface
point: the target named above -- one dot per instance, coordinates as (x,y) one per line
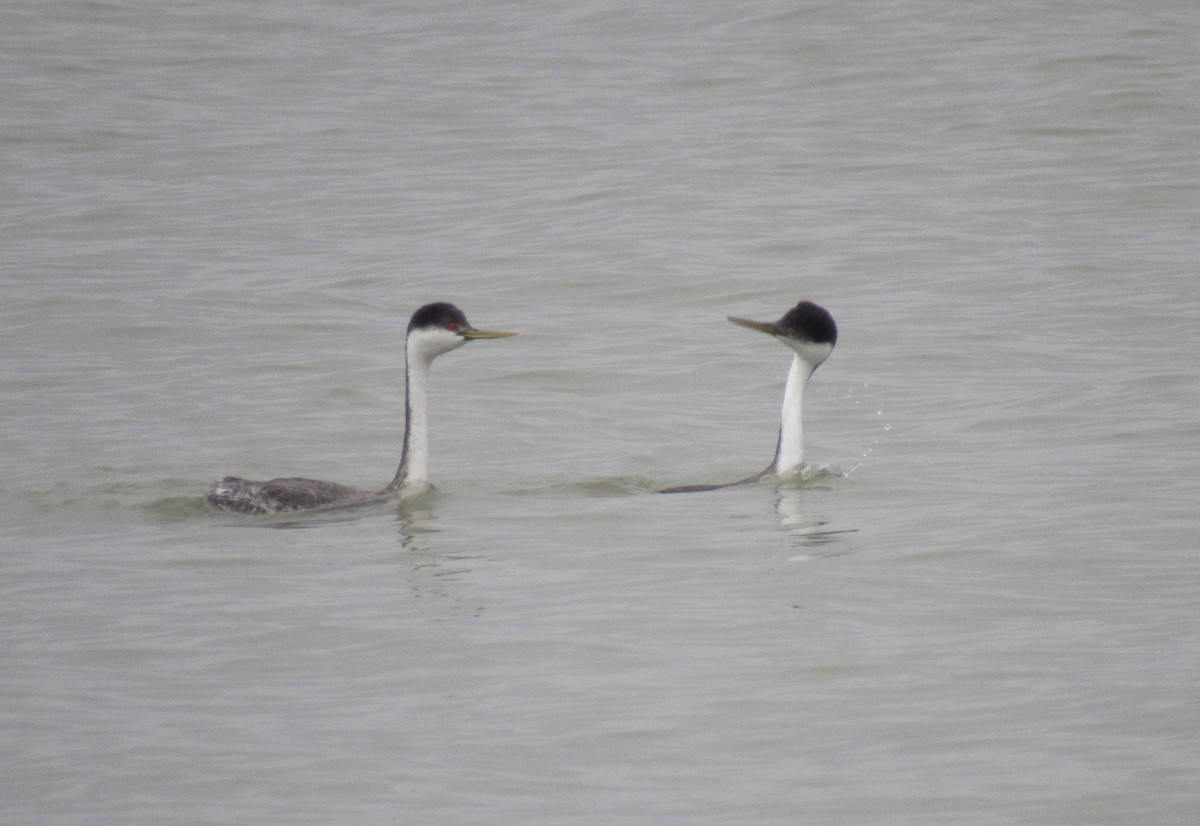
(980,608)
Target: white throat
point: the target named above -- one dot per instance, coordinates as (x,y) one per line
(414,459)
(422,347)
(789,453)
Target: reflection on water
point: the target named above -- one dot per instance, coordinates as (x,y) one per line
(807,529)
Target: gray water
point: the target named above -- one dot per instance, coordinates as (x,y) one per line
(980,605)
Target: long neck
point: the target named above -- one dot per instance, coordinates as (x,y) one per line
(789,454)
(414,458)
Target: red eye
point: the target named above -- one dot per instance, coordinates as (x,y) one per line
(453,325)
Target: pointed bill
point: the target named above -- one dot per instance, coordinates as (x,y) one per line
(762,327)
(474,334)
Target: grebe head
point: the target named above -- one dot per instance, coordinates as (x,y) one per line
(807,328)
(441,327)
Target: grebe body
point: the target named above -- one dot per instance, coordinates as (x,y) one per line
(808,330)
(433,330)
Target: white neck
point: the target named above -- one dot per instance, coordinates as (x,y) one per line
(789,454)
(421,347)
(414,458)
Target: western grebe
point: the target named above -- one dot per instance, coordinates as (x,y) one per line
(433,330)
(808,330)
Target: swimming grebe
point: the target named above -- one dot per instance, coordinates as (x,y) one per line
(810,332)
(433,330)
